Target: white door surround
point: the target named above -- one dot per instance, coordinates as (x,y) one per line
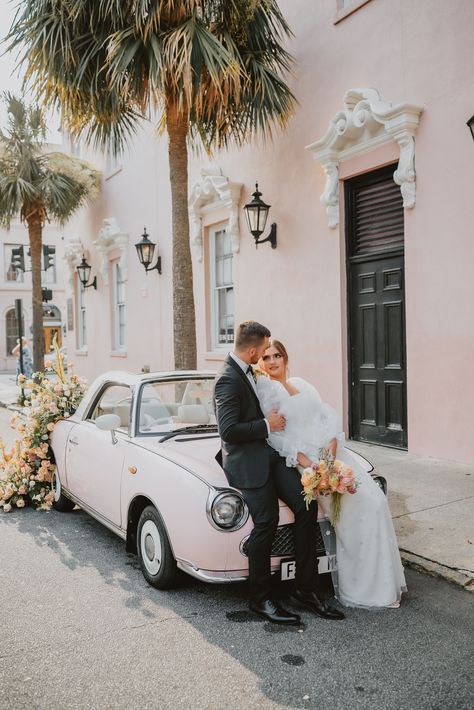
(365,123)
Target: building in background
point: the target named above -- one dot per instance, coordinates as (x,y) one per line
(371,188)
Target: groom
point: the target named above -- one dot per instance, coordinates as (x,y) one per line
(262,476)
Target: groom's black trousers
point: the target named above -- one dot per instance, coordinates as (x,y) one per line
(284,483)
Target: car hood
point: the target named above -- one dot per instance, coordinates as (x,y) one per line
(194,453)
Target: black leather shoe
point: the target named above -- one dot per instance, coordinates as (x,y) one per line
(321,607)
(273,612)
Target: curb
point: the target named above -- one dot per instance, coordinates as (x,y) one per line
(435,569)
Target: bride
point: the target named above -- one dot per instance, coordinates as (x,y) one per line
(370,573)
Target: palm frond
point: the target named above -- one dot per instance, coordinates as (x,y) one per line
(105,63)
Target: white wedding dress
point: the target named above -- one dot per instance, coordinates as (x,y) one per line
(370,572)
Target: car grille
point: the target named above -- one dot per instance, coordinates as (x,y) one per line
(283,543)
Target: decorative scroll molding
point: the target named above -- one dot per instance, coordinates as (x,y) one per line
(216,190)
(365,123)
(73,252)
(111,238)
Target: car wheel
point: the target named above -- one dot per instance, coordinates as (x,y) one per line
(61,503)
(154,550)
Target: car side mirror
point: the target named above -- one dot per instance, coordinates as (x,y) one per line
(108,422)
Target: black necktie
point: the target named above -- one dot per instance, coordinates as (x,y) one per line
(250,370)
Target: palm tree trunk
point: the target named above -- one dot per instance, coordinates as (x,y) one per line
(35,233)
(184,319)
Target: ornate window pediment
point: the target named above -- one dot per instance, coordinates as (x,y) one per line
(110,239)
(216,190)
(365,123)
(73,252)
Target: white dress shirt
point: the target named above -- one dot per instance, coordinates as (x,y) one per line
(244,366)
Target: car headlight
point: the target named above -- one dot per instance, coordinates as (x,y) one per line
(228,511)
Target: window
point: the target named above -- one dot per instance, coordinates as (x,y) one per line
(11,330)
(81,316)
(164,406)
(12,274)
(347,7)
(119,307)
(113,164)
(76,146)
(222,288)
(115,399)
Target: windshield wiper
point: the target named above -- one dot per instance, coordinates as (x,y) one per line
(188,430)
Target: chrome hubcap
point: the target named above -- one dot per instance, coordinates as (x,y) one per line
(150,547)
(56,486)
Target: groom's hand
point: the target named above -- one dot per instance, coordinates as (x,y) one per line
(276,421)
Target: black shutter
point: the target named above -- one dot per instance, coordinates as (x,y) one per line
(376,214)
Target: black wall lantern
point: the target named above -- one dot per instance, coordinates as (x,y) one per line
(470,123)
(256,212)
(145,250)
(84,271)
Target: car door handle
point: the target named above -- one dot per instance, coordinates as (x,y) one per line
(73,441)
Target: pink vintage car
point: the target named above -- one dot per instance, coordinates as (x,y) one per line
(139,456)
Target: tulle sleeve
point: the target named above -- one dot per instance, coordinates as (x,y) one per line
(319,422)
(272,398)
(330,425)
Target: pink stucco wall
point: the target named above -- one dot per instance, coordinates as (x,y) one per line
(410,51)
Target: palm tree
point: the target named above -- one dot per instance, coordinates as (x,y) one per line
(211,68)
(36,185)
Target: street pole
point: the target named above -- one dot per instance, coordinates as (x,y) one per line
(19,320)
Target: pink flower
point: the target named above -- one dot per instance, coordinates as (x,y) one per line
(20,503)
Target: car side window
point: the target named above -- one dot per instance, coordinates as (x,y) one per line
(115,399)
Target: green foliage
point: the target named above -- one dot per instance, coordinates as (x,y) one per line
(106,64)
(32,180)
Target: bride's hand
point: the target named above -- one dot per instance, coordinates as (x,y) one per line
(303,460)
(332,447)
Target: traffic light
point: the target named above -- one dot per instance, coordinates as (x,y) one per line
(46,294)
(49,253)
(18,259)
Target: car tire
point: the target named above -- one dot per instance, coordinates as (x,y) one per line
(61,503)
(154,550)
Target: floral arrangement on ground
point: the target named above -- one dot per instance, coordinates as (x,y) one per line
(27,470)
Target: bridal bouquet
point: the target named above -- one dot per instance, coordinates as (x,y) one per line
(325,477)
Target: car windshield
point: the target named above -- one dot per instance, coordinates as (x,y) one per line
(166,406)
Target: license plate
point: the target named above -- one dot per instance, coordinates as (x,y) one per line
(326,564)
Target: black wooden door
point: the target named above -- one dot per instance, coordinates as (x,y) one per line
(376,309)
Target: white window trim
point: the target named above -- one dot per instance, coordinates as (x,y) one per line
(81,311)
(117,347)
(113,164)
(344,11)
(215,345)
(212,191)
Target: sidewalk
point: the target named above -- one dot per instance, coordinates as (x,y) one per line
(432,503)
(9,390)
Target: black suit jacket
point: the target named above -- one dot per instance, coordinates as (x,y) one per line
(242,428)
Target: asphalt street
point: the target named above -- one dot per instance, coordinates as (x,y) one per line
(82,629)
